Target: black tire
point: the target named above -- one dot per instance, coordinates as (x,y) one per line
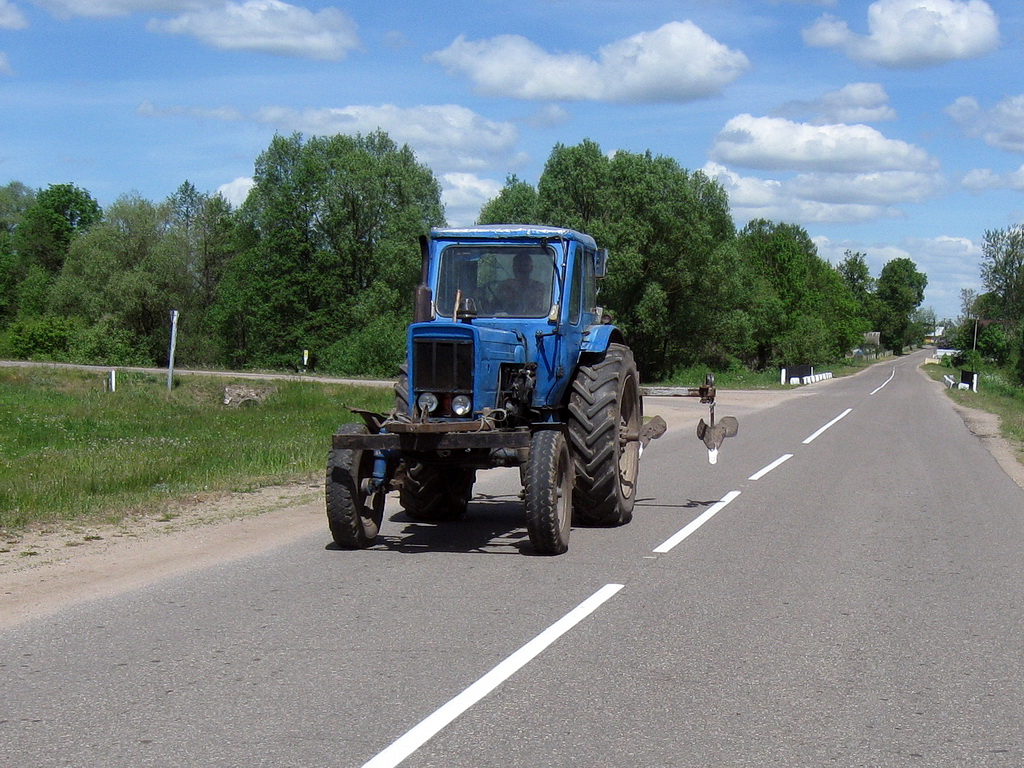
(433,493)
(402,391)
(605,416)
(549,493)
(353,516)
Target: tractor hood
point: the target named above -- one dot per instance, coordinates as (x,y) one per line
(461,358)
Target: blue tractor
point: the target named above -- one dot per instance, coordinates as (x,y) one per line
(510,362)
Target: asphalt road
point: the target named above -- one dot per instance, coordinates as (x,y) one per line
(861,603)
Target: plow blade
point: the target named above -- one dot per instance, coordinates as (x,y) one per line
(712,435)
(652,430)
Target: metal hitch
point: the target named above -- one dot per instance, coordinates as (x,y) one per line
(713,434)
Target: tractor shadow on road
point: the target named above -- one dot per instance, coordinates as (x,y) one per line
(493,525)
(690,504)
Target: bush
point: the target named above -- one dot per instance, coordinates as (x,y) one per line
(808,343)
(1019,368)
(377,349)
(105,343)
(993,344)
(47,337)
(969,360)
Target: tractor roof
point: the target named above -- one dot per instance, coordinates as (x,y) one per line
(511,232)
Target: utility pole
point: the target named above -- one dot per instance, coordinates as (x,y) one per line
(170,357)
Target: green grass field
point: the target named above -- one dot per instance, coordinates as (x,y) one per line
(70,450)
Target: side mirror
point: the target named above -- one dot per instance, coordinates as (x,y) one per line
(601,262)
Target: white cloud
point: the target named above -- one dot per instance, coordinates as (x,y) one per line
(267,26)
(1001,127)
(776,143)
(877,188)
(5,66)
(237,190)
(913,33)
(853,103)
(753,198)
(463,194)
(746,191)
(446,137)
(824,197)
(981,179)
(676,63)
(11,16)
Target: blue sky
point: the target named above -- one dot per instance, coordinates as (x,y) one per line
(893,127)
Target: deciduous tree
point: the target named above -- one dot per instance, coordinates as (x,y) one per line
(330,229)
(900,291)
(1002,271)
(517,203)
(50,223)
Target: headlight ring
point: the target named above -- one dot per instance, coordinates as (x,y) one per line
(427,402)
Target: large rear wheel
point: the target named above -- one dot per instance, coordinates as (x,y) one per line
(548,492)
(353,515)
(605,416)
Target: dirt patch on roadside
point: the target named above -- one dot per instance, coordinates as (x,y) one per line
(48,568)
(985,426)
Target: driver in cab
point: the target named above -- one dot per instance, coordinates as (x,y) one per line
(521,295)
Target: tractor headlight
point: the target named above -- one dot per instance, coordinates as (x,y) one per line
(427,402)
(461,405)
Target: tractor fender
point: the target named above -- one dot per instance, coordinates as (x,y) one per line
(597,338)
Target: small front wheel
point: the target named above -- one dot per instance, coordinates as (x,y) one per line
(353,515)
(549,484)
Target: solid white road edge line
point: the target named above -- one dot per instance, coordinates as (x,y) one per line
(762,472)
(419,734)
(884,382)
(810,439)
(711,511)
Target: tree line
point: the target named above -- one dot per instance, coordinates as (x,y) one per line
(990,329)
(323,256)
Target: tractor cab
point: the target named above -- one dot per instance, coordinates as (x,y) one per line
(503,315)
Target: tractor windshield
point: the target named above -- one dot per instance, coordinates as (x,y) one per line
(502,280)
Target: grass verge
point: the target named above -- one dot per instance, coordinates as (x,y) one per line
(996,394)
(69,450)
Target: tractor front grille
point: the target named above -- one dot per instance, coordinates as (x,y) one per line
(442,366)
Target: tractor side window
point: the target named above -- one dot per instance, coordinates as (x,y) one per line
(576,294)
(589,284)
